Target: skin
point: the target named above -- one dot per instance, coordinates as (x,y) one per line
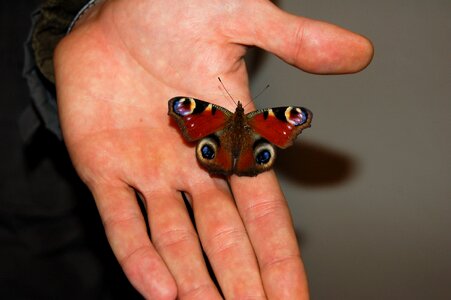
(115,73)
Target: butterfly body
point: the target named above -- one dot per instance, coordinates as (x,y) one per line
(237,143)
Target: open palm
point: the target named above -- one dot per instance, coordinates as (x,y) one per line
(115,73)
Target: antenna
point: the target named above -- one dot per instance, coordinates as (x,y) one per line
(219,78)
(255,98)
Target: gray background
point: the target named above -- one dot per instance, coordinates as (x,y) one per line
(369,184)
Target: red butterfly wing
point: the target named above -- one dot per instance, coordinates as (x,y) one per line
(215,158)
(245,164)
(197,118)
(280,125)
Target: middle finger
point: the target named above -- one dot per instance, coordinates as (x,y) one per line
(226,242)
(176,240)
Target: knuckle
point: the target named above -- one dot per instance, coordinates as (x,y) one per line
(173,238)
(223,240)
(133,256)
(203,291)
(113,222)
(278,261)
(261,211)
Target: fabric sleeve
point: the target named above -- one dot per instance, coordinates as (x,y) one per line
(54,20)
(49,25)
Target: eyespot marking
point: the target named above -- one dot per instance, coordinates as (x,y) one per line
(207,151)
(207,148)
(263,157)
(295,115)
(264,153)
(184,106)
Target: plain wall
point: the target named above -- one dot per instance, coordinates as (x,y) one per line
(369,184)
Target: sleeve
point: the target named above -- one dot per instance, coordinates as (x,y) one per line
(50,23)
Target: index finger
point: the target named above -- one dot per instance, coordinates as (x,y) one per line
(266,216)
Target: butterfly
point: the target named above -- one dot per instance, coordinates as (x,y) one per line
(237,143)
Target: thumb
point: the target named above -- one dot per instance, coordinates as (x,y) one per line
(313,46)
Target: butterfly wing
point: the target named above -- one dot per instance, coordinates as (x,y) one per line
(277,126)
(280,125)
(255,160)
(214,154)
(209,123)
(196,118)
(204,121)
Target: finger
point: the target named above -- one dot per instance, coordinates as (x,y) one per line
(225,242)
(313,46)
(267,219)
(176,240)
(127,235)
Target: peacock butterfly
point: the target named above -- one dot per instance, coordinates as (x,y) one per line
(237,143)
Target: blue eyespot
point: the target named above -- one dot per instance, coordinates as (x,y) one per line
(183,106)
(263,157)
(207,151)
(297,116)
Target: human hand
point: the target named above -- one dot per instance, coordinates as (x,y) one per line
(115,73)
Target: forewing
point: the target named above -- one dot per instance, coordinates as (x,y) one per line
(280,125)
(196,118)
